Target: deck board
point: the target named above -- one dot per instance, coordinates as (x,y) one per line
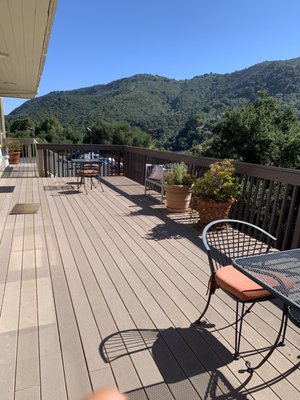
(101,289)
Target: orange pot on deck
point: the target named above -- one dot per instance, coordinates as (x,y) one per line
(14,157)
(211,210)
(178,197)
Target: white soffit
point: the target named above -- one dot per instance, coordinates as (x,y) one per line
(25,27)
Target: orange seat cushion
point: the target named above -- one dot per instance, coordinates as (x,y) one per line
(244,288)
(238,284)
(89,172)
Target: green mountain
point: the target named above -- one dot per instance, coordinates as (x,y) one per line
(162,106)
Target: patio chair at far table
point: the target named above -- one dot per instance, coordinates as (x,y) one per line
(227,239)
(92,171)
(154,178)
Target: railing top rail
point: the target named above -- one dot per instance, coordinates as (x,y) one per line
(22,140)
(285,175)
(71,146)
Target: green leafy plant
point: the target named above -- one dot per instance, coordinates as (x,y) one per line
(13,145)
(218,183)
(178,175)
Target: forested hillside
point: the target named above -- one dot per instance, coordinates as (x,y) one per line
(167,109)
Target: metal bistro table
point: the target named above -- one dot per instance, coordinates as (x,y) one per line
(84,170)
(278,272)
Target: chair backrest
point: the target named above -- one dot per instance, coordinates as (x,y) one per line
(155,172)
(226,239)
(89,169)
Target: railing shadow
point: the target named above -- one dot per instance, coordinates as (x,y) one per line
(169,228)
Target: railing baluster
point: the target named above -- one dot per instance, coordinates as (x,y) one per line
(261,202)
(274,208)
(269,197)
(280,230)
(290,218)
(254,201)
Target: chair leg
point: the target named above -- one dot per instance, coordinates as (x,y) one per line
(99,180)
(205,309)
(249,309)
(238,330)
(281,343)
(84,184)
(281,332)
(79,182)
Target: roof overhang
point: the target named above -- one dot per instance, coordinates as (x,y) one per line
(25,28)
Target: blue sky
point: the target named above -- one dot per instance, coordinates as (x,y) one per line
(95,42)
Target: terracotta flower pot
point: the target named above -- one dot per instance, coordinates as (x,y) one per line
(211,210)
(178,197)
(14,157)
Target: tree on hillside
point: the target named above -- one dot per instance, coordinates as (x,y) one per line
(50,130)
(115,132)
(21,127)
(192,134)
(258,133)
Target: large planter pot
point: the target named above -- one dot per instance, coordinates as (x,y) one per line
(178,197)
(211,210)
(14,157)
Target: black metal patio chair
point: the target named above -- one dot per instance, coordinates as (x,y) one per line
(227,239)
(92,171)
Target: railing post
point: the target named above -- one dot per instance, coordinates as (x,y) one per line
(40,162)
(296,236)
(119,164)
(47,162)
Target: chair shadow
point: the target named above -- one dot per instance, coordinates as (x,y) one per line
(55,188)
(183,354)
(69,192)
(180,354)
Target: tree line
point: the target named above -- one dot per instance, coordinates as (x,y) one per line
(50,130)
(261,132)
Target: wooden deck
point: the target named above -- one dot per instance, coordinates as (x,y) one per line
(101,289)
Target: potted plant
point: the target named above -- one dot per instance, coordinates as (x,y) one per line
(177,188)
(14,151)
(216,191)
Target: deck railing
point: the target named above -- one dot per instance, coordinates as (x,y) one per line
(56,159)
(270,196)
(28,150)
